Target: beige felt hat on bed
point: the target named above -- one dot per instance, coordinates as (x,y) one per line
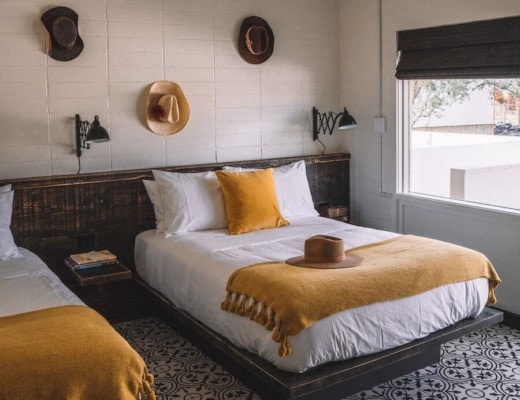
(167,109)
(326,252)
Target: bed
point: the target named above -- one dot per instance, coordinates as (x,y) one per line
(53,346)
(56,216)
(187,261)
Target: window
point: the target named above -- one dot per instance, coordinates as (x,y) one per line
(460,111)
(464,140)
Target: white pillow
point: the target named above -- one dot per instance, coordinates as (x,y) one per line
(155,198)
(292,190)
(191,201)
(8,248)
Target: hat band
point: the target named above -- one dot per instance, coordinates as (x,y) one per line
(257,35)
(328,259)
(324,249)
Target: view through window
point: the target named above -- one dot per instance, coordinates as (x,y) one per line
(464,139)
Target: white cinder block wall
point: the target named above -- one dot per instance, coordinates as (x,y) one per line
(373,178)
(238,110)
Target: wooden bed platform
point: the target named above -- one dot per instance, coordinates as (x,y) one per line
(331,381)
(59,215)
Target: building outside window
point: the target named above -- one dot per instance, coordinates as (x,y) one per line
(462,140)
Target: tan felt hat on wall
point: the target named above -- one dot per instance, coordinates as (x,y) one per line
(167,109)
(323,251)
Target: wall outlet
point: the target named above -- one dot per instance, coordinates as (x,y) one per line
(379,124)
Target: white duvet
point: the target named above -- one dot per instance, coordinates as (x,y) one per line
(192,271)
(27,284)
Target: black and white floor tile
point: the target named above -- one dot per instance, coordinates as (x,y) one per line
(482,365)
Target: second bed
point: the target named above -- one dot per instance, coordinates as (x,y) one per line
(192,271)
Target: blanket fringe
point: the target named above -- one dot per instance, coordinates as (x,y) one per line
(146,392)
(260,313)
(285,349)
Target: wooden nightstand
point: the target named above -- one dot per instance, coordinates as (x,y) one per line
(339,213)
(102,274)
(111,291)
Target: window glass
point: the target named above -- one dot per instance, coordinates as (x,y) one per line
(463,139)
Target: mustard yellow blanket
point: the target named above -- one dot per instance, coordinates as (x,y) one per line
(288,298)
(68,353)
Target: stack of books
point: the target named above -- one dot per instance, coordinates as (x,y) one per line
(90,259)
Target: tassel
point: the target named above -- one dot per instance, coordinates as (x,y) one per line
(252,310)
(285,349)
(241,304)
(233,303)
(261,316)
(243,309)
(248,305)
(146,387)
(225,304)
(277,333)
(270,320)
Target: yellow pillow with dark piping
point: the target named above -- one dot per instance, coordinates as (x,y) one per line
(250,201)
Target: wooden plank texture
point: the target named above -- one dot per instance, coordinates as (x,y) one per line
(59,215)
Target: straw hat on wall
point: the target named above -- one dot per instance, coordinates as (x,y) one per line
(167,109)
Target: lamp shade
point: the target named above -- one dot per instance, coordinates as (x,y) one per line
(346,121)
(97,133)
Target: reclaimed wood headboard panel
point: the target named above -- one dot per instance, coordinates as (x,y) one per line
(59,215)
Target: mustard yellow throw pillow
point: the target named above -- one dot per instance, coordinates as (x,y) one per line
(250,200)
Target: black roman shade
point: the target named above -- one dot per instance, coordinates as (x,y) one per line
(480,49)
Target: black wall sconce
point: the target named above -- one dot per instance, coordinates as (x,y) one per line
(325,122)
(87,132)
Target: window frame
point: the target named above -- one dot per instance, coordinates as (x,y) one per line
(404,156)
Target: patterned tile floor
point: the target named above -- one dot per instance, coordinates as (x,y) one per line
(482,365)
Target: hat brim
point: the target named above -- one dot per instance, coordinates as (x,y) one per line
(55,51)
(155,92)
(51,14)
(66,54)
(350,261)
(242,46)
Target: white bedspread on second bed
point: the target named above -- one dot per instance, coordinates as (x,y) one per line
(27,284)
(192,271)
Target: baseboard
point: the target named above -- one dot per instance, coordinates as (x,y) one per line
(511,319)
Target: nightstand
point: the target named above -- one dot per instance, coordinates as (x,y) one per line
(111,291)
(339,213)
(102,274)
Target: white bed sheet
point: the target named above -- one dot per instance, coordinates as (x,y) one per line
(192,270)
(27,284)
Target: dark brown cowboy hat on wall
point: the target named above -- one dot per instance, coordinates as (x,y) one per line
(255,40)
(62,26)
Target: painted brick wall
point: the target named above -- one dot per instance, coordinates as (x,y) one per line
(373,178)
(238,110)
(374,156)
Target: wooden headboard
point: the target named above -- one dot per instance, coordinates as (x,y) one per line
(59,215)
